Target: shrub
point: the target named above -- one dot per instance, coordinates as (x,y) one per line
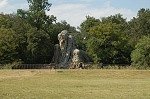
(12,65)
(141,55)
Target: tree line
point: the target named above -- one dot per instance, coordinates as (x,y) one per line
(29,36)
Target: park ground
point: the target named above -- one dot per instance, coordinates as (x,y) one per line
(75,84)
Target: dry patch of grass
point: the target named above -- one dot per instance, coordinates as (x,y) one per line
(74,84)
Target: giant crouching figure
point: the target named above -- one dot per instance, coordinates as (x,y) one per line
(66,55)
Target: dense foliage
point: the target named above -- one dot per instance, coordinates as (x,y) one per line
(29,36)
(106,40)
(111,40)
(141,55)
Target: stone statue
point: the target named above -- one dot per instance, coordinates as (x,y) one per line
(67,54)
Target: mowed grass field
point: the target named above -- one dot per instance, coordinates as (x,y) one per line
(74,84)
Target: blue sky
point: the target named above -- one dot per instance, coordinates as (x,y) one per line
(74,11)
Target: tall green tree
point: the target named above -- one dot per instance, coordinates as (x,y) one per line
(84,28)
(38,37)
(88,23)
(42,36)
(36,15)
(108,44)
(117,19)
(39,48)
(106,41)
(139,26)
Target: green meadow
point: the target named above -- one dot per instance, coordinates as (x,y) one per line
(75,84)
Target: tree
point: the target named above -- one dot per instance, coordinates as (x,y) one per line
(109,45)
(141,55)
(14,27)
(39,47)
(105,39)
(39,42)
(139,26)
(6,21)
(34,32)
(88,23)
(20,29)
(36,15)
(8,45)
(84,30)
(117,19)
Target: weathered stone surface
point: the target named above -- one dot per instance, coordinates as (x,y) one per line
(66,54)
(57,54)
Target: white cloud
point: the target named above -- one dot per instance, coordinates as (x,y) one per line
(87,0)
(75,13)
(3,3)
(72,13)
(8,7)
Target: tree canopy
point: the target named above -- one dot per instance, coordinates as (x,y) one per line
(35,34)
(30,36)
(106,40)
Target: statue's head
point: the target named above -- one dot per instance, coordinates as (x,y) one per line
(62,37)
(76,54)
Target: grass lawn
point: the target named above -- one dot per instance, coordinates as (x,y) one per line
(74,84)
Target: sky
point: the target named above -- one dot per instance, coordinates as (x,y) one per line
(75,11)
